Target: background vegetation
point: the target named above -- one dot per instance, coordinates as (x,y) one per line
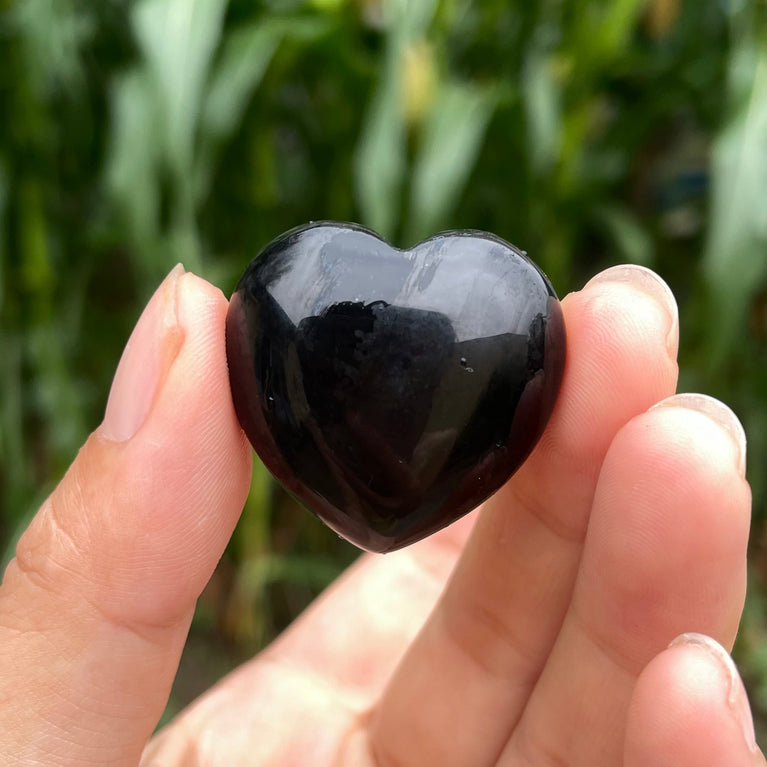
(137,134)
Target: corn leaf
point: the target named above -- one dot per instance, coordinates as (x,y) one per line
(449,146)
(735,260)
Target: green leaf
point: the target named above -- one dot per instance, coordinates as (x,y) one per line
(52,34)
(13,468)
(245,56)
(633,243)
(178,39)
(244,59)
(251,539)
(4,185)
(131,170)
(34,244)
(380,161)
(316,571)
(542,111)
(619,24)
(451,140)
(381,155)
(412,17)
(735,260)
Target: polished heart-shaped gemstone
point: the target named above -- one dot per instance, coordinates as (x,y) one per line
(392,391)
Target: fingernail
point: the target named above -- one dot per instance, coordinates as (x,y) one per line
(720,414)
(649,283)
(737,699)
(145,361)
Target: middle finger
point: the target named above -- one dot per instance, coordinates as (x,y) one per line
(469,672)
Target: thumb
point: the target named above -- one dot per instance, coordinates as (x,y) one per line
(95,607)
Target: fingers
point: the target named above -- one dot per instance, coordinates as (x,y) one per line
(384,599)
(484,647)
(323,671)
(689,709)
(665,553)
(95,607)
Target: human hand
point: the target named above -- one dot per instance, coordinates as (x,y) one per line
(532,633)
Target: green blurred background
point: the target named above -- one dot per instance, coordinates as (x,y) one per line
(134,135)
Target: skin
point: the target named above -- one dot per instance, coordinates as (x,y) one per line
(535,631)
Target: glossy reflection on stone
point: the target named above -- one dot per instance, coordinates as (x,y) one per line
(393,391)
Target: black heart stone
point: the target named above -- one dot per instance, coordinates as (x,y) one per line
(392,391)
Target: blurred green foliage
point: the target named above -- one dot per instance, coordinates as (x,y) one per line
(134,135)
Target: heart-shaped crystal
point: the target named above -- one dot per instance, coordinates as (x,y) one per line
(392,391)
